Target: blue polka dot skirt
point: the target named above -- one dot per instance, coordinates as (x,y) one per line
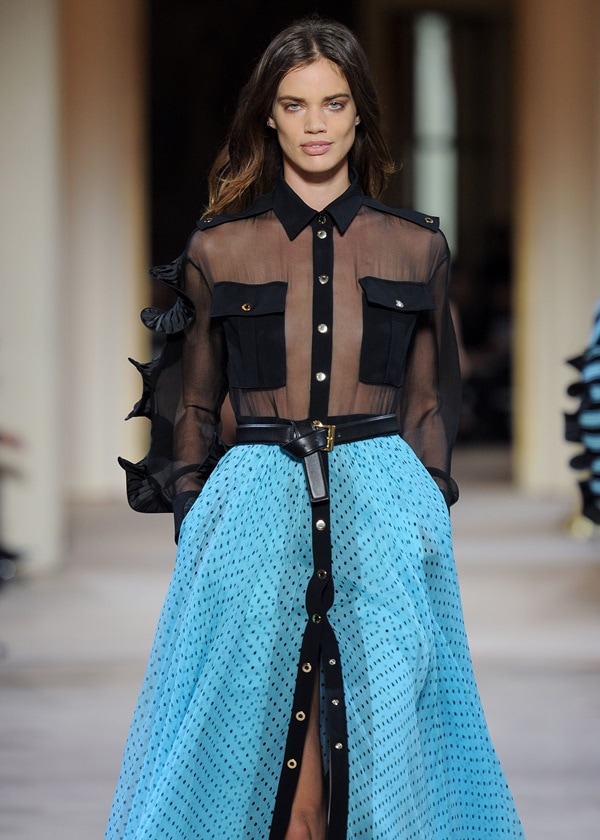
(206,744)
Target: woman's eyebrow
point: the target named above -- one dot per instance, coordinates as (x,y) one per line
(301,98)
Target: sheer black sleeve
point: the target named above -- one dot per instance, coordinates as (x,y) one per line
(430,405)
(183,389)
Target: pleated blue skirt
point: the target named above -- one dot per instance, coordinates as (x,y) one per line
(206,744)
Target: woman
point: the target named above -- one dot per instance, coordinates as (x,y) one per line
(310,676)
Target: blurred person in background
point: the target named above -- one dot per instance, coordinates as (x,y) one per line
(583,427)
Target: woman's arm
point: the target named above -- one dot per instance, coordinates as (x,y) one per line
(430,404)
(183,389)
(203,387)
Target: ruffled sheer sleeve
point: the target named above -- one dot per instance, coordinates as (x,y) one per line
(430,404)
(183,389)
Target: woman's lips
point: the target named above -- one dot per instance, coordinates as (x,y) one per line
(316,148)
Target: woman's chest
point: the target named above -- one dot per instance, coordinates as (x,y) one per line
(348,310)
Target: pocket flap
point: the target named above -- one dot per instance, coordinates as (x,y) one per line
(247,300)
(401,295)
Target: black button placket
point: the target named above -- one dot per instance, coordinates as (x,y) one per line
(322,317)
(319,648)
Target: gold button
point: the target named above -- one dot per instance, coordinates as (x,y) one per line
(300,716)
(246,307)
(332,661)
(335,702)
(428,220)
(323,278)
(292,764)
(320,525)
(322,220)
(339,746)
(316,618)
(322,328)
(307,667)
(322,574)
(399,304)
(322,234)
(320,376)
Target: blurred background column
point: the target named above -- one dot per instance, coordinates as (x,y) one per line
(30,277)
(557,182)
(104,235)
(72,238)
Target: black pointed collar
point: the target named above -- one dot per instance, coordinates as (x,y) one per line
(295,215)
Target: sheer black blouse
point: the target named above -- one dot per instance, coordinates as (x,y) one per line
(362,285)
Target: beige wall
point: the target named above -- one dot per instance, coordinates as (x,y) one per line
(557,221)
(72,238)
(30,277)
(104,234)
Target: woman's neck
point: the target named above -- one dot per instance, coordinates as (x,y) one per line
(318,191)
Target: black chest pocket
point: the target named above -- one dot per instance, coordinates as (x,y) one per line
(390,310)
(254,322)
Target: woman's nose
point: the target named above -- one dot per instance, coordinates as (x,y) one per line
(314,121)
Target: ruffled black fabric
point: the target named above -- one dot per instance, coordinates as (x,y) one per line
(583,425)
(151,481)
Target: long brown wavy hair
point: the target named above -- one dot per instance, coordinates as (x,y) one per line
(250,160)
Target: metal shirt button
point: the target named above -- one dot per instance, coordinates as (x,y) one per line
(322,234)
(339,745)
(400,304)
(300,716)
(323,278)
(322,328)
(335,702)
(292,763)
(322,220)
(246,307)
(320,525)
(322,574)
(428,220)
(320,376)
(316,618)
(307,667)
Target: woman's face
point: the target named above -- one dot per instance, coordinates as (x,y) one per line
(315,117)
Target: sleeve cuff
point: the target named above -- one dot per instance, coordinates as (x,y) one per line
(447,485)
(181,507)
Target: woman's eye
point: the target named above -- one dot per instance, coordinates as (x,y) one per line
(336,106)
(292,106)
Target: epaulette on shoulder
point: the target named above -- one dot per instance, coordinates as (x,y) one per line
(430,222)
(261,205)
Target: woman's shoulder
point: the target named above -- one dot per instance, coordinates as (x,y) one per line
(414,230)
(261,205)
(213,231)
(423,220)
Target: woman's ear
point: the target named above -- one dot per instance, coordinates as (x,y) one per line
(357,120)
(271,122)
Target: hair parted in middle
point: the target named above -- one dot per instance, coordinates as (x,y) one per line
(250,160)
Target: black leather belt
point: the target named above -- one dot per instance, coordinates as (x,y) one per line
(306,440)
(312,435)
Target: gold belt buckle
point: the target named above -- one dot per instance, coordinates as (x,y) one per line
(330,434)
